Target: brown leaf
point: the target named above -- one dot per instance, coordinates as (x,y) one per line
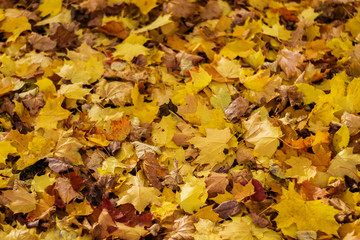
(153,171)
(94,5)
(180,8)
(34,103)
(313,192)
(237,108)
(212,10)
(113,147)
(64,37)
(59,164)
(352,122)
(289,61)
(258,220)
(119,129)
(216,183)
(116,29)
(65,189)
(7,106)
(228,209)
(42,43)
(182,229)
(173,179)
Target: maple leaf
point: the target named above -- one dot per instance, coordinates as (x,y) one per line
(52,7)
(243,228)
(300,168)
(212,146)
(51,113)
(5,149)
(295,214)
(65,189)
(262,134)
(21,201)
(16,26)
(193,195)
(135,195)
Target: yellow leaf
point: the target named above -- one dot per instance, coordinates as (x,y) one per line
(51,113)
(5,149)
(140,196)
(16,26)
(193,194)
(241,192)
(163,132)
(40,183)
(69,148)
(241,48)
(199,80)
(301,169)
(46,85)
(84,72)
(212,147)
(295,214)
(128,51)
(74,91)
(160,21)
(131,47)
(341,138)
(311,93)
(244,228)
(79,209)
(146,112)
(52,7)
(220,198)
(208,213)
(21,201)
(256,59)
(145,6)
(278,31)
(262,134)
(344,163)
(258,81)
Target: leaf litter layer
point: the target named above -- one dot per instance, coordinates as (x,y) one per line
(179,119)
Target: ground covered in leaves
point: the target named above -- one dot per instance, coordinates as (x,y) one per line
(179,119)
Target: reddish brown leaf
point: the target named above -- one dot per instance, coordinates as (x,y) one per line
(116,29)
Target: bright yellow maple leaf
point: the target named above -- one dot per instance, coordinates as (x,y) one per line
(199,80)
(74,91)
(278,31)
(131,47)
(212,147)
(84,72)
(341,138)
(52,7)
(160,21)
(51,113)
(164,131)
(5,149)
(146,112)
(145,6)
(301,169)
(139,195)
(241,48)
(262,134)
(295,214)
(40,183)
(193,194)
(243,228)
(16,26)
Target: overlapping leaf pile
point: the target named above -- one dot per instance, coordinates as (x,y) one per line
(179,119)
